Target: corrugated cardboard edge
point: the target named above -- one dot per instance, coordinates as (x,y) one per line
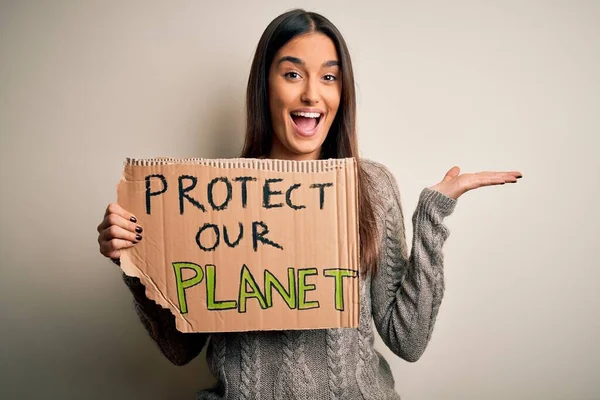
(131,269)
(309,166)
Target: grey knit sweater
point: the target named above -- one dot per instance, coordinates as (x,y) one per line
(401,301)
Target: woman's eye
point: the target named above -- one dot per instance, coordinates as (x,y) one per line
(330,77)
(292,75)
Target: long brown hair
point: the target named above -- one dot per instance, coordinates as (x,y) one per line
(341,140)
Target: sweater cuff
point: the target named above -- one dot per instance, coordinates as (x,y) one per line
(433,202)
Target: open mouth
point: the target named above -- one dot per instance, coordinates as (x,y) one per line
(306,123)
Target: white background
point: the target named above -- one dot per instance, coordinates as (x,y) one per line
(485,85)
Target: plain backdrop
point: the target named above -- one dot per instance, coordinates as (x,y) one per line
(485,85)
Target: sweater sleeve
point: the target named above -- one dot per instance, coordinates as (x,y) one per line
(180,348)
(407,290)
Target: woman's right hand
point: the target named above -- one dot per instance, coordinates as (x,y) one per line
(118,230)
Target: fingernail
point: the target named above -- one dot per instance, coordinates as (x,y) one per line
(519,177)
(133,219)
(134,242)
(138,237)
(138,229)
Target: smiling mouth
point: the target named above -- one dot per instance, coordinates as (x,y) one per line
(306,123)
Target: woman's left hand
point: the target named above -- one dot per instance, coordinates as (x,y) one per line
(454,185)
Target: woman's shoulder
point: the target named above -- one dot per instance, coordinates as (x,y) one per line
(382,186)
(380,176)
(374,168)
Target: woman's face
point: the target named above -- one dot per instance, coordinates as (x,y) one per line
(305,86)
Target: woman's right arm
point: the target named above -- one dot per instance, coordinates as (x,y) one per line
(119,230)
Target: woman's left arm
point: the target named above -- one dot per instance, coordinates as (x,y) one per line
(407,290)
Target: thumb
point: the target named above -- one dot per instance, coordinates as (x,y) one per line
(452,173)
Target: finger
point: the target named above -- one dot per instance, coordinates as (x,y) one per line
(114,208)
(116,232)
(494,177)
(508,174)
(118,220)
(506,177)
(452,173)
(509,177)
(488,178)
(516,174)
(482,179)
(113,247)
(495,180)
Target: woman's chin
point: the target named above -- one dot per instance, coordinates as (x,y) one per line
(306,148)
(297,147)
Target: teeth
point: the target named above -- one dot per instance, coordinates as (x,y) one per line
(306,114)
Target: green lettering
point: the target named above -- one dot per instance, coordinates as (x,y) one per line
(248,280)
(288,296)
(182,285)
(304,287)
(339,274)
(211,283)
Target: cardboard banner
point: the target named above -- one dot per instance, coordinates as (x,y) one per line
(246,244)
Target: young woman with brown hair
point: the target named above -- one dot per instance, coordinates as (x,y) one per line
(300,106)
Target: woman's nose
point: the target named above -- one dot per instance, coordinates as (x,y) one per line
(311,93)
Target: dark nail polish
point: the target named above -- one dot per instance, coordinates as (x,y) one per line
(134,242)
(138,229)
(519,177)
(138,237)
(133,219)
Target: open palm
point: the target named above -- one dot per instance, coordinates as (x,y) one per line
(454,185)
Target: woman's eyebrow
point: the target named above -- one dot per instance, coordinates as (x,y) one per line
(291,59)
(298,61)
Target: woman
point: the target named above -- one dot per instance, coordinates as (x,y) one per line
(300,106)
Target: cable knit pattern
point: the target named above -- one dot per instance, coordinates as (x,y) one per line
(366,370)
(335,362)
(401,300)
(250,374)
(295,381)
(220,349)
(216,358)
(394,268)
